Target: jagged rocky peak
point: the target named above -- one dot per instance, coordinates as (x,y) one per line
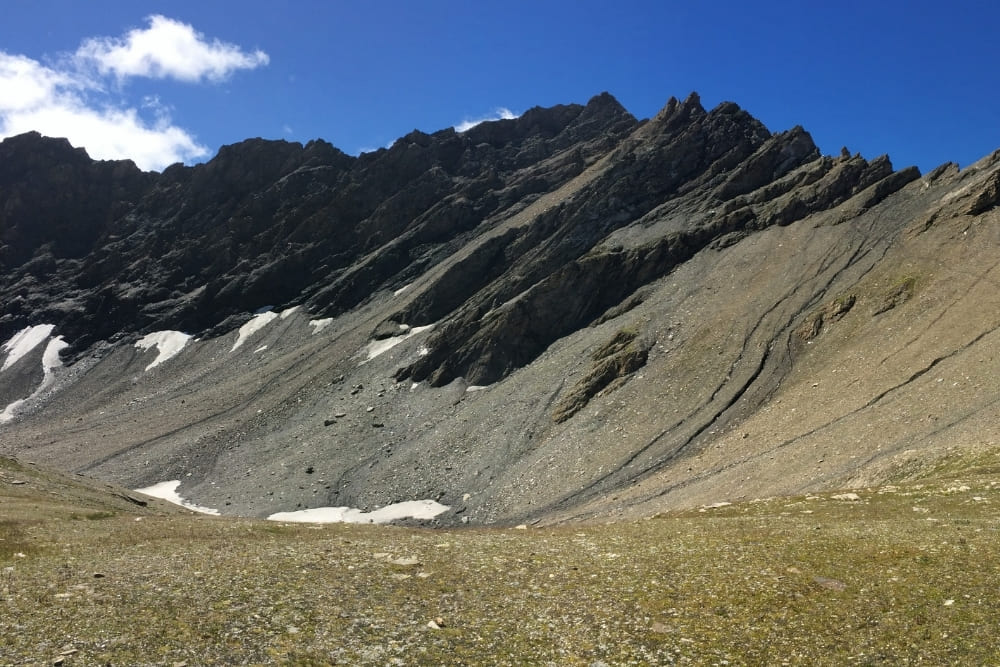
(32,150)
(257,163)
(605,104)
(776,156)
(568,277)
(603,113)
(679,112)
(272,222)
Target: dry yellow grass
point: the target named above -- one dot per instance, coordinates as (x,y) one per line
(903,574)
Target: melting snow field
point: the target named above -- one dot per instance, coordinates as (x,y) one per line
(50,362)
(24,341)
(319,325)
(256,323)
(167,343)
(411,509)
(260,320)
(8,412)
(377,347)
(168,491)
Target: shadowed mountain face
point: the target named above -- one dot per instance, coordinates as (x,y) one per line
(569,314)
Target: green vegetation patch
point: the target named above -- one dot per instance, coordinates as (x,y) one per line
(900,291)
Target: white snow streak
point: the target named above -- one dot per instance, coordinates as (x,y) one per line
(50,358)
(24,341)
(8,412)
(416,509)
(167,343)
(50,362)
(377,347)
(319,325)
(256,323)
(168,491)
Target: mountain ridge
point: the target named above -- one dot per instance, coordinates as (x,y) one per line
(572,313)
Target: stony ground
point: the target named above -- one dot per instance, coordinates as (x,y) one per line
(892,575)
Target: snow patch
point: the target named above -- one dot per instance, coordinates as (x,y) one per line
(168,491)
(256,323)
(288,311)
(24,341)
(319,325)
(410,509)
(167,343)
(10,410)
(401,290)
(260,349)
(476,387)
(50,358)
(377,347)
(50,362)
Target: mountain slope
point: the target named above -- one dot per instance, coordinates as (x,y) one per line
(569,314)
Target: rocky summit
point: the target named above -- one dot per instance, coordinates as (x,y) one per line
(573,314)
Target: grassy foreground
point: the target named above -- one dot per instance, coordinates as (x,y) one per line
(900,575)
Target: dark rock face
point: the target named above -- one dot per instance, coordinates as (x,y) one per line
(101,248)
(721,168)
(57,203)
(626,291)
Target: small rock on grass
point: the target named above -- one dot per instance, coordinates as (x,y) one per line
(406,562)
(830,584)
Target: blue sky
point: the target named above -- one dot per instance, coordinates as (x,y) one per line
(166,81)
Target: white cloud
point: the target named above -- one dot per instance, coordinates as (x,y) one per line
(59,104)
(26,83)
(70,97)
(501,113)
(168,49)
